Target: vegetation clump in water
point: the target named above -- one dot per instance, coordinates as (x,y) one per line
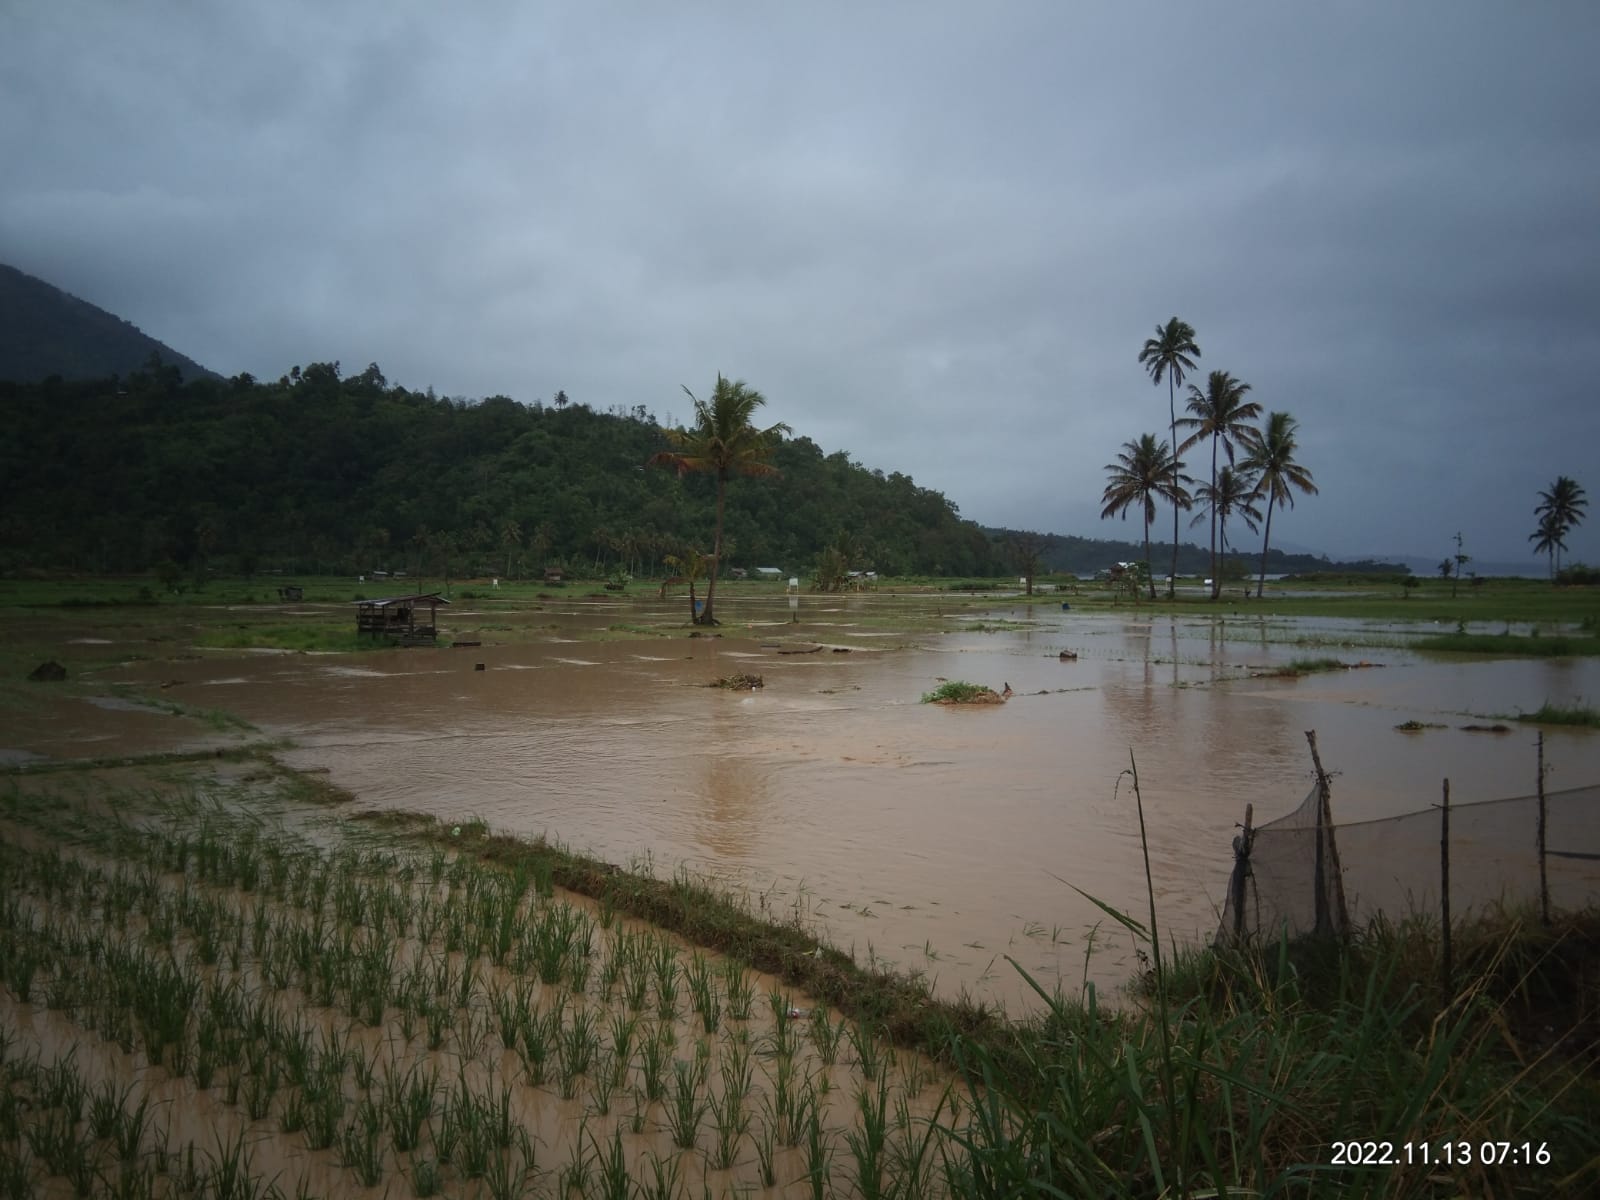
(959,691)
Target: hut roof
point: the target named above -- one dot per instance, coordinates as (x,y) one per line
(423,598)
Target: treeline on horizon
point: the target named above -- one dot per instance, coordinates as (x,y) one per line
(322,473)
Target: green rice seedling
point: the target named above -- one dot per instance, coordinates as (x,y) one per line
(438,1017)
(508,1175)
(512,1008)
(636,1117)
(603,1082)
(703,992)
(664,970)
(780,1101)
(106,1105)
(322,1110)
(869,1051)
(259,1092)
(465,983)
(911,1157)
(612,1175)
(624,1027)
(128,1137)
(869,1140)
(819,1156)
(732,1121)
(740,989)
(686,1108)
(575,1049)
(134,1181)
(408,1103)
(496,1109)
(785,1029)
(654,1051)
(826,1034)
(231,1174)
(364,1067)
(636,985)
(580,1170)
(361,1151)
(472,1032)
(665,1181)
(60,1086)
(16,1176)
(543,879)
(424,1177)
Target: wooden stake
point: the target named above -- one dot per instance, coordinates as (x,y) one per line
(1444,888)
(1329,874)
(1544,879)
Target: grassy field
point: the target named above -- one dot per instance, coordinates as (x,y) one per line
(411,1008)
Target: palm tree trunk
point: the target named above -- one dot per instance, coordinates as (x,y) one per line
(1148,565)
(1265,538)
(1216,580)
(1172,419)
(709,618)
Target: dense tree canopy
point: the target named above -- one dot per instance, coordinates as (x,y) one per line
(324,472)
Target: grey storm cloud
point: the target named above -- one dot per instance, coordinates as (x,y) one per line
(935,235)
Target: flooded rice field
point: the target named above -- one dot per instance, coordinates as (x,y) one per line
(938,839)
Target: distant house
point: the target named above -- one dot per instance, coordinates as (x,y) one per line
(738,572)
(769,573)
(397,618)
(554,575)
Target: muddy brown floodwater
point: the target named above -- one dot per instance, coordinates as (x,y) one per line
(938,839)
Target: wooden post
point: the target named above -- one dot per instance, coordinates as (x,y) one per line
(1241,872)
(1444,889)
(1544,879)
(1334,918)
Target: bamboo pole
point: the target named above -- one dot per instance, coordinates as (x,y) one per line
(1447,966)
(1544,879)
(1329,874)
(1241,871)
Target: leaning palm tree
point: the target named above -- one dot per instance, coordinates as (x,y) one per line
(1170,354)
(1233,494)
(1548,539)
(1144,472)
(723,443)
(1271,456)
(1564,504)
(1222,415)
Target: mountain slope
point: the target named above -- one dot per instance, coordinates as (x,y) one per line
(45,331)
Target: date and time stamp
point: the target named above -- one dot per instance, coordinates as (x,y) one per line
(1440,1153)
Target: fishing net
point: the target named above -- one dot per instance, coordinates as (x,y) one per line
(1301,875)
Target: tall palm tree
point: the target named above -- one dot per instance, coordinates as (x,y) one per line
(1144,472)
(1233,494)
(1564,504)
(723,443)
(1222,414)
(1170,354)
(1548,539)
(1271,456)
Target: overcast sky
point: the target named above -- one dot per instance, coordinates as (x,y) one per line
(935,235)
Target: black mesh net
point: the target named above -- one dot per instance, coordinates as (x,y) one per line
(1290,875)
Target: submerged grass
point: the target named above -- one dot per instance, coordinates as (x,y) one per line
(1512,644)
(1580,715)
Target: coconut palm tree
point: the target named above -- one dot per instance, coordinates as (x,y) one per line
(1233,494)
(1221,414)
(1169,355)
(1270,455)
(1564,504)
(1144,472)
(1548,539)
(723,443)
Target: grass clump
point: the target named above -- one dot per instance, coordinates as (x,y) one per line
(1579,715)
(1512,644)
(959,691)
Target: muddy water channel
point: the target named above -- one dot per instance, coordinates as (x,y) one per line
(939,839)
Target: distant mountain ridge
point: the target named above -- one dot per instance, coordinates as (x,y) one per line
(45,331)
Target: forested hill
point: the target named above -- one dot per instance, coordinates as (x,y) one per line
(45,331)
(318,472)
